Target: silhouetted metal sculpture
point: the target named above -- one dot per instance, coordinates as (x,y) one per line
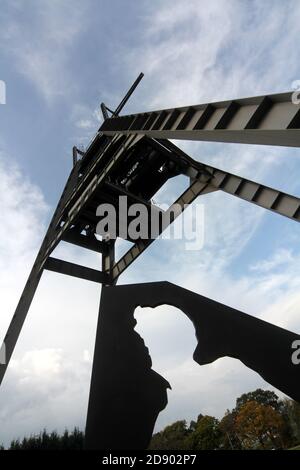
(131,156)
(127,395)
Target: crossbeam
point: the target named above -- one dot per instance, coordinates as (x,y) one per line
(75,270)
(84,241)
(264,120)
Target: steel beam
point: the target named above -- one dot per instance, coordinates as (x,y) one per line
(84,241)
(91,187)
(31,285)
(108,260)
(265,120)
(75,270)
(259,194)
(269,198)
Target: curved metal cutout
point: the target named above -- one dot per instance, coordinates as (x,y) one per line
(127,395)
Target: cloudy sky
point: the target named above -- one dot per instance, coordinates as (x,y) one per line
(59,60)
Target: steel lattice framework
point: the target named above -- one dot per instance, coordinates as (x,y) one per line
(132,156)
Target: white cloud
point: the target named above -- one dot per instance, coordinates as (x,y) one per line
(39,363)
(46,388)
(218,50)
(85,124)
(51,362)
(22,217)
(283,256)
(40,45)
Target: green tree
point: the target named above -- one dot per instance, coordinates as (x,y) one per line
(230,439)
(52,441)
(173,437)
(206,435)
(264,397)
(290,411)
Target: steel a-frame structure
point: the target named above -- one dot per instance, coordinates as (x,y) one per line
(132,156)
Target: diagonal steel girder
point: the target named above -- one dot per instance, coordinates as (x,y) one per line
(205,179)
(265,120)
(54,235)
(269,198)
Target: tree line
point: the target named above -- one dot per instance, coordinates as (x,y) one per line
(50,441)
(259,420)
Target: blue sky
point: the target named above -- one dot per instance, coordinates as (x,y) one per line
(59,60)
